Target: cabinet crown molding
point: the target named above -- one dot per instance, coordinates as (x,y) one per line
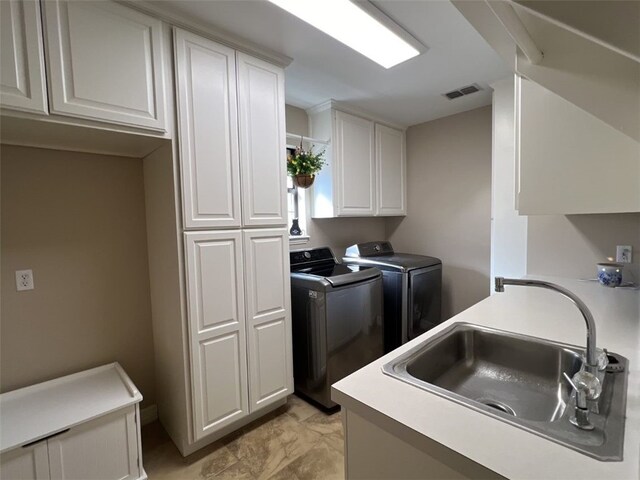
(347,108)
(212,33)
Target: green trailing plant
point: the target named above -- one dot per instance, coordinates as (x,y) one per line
(305,162)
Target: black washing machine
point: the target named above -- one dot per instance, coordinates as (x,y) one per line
(337,320)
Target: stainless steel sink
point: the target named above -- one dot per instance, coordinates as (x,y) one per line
(519,380)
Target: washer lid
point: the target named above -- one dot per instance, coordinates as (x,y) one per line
(326,277)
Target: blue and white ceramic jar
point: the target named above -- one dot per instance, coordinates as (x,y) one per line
(610,274)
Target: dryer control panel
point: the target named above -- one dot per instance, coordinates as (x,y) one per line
(369,249)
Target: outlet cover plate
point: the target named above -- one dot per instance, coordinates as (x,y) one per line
(24,280)
(623,253)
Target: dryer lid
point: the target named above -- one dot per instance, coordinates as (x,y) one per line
(382,255)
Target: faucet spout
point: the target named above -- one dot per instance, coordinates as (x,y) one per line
(592,359)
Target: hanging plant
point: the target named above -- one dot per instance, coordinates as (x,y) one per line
(303,165)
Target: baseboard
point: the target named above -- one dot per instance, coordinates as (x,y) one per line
(148,414)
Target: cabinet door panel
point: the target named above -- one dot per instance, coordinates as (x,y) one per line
(102,449)
(391,171)
(269,347)
(269,316)
(354,137)
(262,142)
(22,82)
(223,379)
(105,63)
(208,130)
(30,463)
(215,286)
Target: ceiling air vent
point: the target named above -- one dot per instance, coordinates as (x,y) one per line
(469,89)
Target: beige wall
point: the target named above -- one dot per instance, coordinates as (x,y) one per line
(571,245)
(337,233)
(449,203)
(78,221)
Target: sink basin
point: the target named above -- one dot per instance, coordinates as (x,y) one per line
(519,380)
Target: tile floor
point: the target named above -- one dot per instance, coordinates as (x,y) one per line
(295,442)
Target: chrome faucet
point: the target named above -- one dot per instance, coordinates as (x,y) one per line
(592,358)
(585,383)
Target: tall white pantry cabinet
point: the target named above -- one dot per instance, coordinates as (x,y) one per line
(231,143)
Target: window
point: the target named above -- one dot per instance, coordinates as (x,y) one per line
(296,207)
(292,200)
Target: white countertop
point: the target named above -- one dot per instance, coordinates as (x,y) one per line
(31,413)
(503,448)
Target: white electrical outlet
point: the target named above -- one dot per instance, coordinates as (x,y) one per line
(24,280)
(623,253)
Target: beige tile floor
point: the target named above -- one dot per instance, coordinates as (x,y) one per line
(295,442)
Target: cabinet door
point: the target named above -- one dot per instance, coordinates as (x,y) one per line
(355,163)
(266,255)
(262,142)
(22,82)
(208,129)
(391,171)
(28,463)
(567,158)
(215,286)
(102,449)
(105,63)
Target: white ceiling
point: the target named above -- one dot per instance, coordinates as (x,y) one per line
(322,68)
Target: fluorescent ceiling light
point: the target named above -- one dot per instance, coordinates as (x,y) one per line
(356,28)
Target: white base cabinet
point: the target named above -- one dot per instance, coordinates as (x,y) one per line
(365,175)
(82,426)
(105,448)
(26,463)
(266,254)
(239,309)
(215,285)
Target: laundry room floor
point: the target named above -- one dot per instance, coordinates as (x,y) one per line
(295,442)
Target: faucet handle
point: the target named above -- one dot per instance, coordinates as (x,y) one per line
(602,359)
(588,383)
(580,417)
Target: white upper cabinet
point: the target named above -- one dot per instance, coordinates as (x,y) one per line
(262,142)
(391,171)
(208,132)
(365,174)
(268,315)
(354,164)
(569,161)
(105,62)
(22,80)
(215,285)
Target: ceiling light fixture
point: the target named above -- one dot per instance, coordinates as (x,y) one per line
(359,26)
